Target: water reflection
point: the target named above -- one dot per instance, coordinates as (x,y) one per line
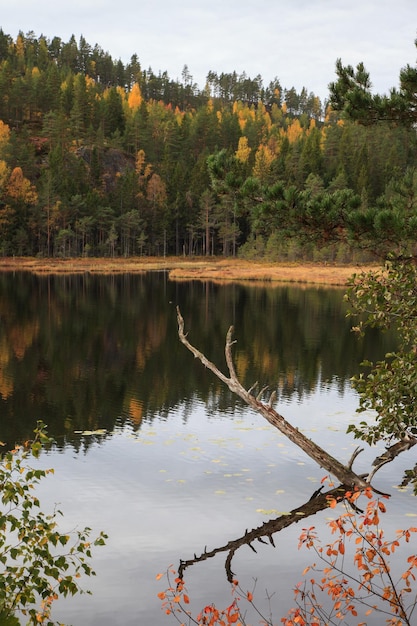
(182,463)
(317,502)
(84,352)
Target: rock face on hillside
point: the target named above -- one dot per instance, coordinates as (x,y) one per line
(110,162)
(105,163)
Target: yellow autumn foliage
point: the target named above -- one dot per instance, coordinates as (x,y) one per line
(263,161)
(90,82)
(135,97)
(179,115)
(243,150)
(20,188)
(4,134)
(244,113)
(4,173)
(121,92)
(140,162)
(294,131)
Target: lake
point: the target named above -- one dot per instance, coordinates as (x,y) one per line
(180,465)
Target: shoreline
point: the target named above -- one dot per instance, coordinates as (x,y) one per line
(200,268)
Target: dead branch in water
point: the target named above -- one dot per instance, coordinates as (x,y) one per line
(343,473)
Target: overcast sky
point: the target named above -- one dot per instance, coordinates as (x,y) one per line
(297,41)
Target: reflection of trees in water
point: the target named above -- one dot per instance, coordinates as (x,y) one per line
(83,351)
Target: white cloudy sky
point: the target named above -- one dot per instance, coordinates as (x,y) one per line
(297,41)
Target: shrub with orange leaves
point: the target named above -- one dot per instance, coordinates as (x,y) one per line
(363,585)
(175,601)
(353,576)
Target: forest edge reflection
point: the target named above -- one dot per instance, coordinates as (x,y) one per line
(84,352)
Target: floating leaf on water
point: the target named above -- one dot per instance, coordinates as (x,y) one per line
(411,514)
(280,491)
(88,433)
(268,511)
(220,492)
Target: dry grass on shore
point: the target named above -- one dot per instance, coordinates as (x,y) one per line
(185,268)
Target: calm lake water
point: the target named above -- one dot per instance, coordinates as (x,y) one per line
(181,465)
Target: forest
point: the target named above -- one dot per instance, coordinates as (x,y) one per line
(101,158)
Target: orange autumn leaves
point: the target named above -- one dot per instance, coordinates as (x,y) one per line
(362,585)
(175,601)
(352,575)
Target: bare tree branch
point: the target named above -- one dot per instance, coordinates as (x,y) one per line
(343,473)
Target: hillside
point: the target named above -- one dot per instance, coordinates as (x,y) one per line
(98,158)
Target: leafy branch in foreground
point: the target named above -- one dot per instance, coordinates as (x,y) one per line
(363,581)
(38,563)
(388,300)
(175,601)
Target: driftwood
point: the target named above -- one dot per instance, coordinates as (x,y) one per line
(343,473)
